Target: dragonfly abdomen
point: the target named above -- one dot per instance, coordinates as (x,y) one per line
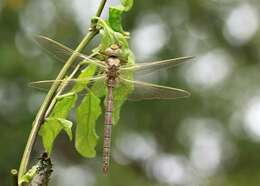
(106,147)
(107,130)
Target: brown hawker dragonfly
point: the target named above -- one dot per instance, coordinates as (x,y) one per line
(112,75)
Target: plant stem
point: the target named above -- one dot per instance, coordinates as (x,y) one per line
(51,94)
(101,7)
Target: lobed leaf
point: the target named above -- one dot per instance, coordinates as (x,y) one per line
(115,15)
(128,4)
(115,19)
(56,122)
(50,130)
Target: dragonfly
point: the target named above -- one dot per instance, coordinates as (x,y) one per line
(112,75)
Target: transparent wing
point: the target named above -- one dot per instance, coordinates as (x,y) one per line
(70,85)
(145,68)
(62,53)
(147,91)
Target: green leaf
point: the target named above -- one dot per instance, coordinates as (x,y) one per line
(27,178)
(63,106)
(109,37)
(99,88)
(56,122)
(50,130)
(115,19)
(86,115)
(115,15)
(128,4)
(88,72)
(66,126)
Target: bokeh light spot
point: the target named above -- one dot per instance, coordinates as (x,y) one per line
(241,24)
(252,119)
(32,20)
(149,37)
(136,146)
(67,176)
(170,169)
(209,70)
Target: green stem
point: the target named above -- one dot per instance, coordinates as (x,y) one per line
(100,8)
(51,94)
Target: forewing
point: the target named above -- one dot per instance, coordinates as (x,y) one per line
(70,85)
(145,68)
(148,91)
(62,53)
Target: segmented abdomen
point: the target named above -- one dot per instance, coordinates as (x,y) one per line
(107,130)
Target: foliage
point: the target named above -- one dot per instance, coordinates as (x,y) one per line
(56,122)
(87,114)
(115,15)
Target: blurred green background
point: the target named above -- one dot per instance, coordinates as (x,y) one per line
(209,139)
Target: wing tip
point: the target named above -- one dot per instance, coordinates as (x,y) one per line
(41,38)
(189,58)
(33,85)
(188,94)
(184,94)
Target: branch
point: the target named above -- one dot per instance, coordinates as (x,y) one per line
(51,94)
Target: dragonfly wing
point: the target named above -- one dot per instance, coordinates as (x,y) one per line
(145,68)
(76,85)
(147,91)
(62,53)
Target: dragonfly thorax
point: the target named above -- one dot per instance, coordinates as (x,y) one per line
(113,61)
(113,64)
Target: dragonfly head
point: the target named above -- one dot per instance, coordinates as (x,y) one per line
(113,51)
